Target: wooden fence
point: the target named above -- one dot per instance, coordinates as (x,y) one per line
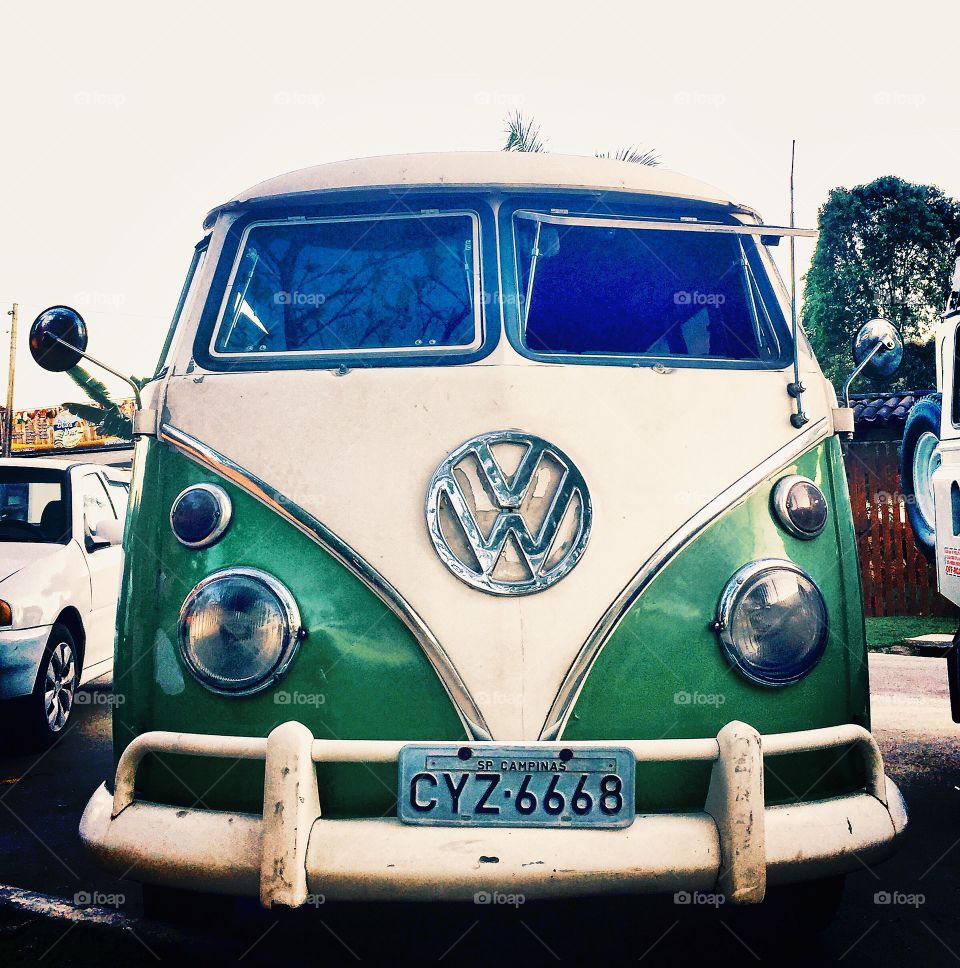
(897,578)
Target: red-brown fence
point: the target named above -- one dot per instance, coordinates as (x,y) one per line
(897,578)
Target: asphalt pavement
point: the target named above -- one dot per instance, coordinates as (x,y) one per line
(57,907)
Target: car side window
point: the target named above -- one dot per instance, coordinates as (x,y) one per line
(120,494)
(96,501)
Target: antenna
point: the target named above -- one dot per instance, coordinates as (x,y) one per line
(796,388)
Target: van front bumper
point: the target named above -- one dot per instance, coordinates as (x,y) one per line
(291,855)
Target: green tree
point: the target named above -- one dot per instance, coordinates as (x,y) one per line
(104,412)
(885,249)
(523,134)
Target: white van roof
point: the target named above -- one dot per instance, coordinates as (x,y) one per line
(471,169)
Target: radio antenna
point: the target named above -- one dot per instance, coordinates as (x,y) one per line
(796,388)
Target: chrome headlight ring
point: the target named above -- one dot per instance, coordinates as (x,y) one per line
(800,625)
(800,506)
(284,652)
(220,509)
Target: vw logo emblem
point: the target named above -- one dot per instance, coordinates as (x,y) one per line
(508,513)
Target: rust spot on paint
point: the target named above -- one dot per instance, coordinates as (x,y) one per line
(182,813)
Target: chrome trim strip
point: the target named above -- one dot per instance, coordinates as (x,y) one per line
(201,453)
(576,676)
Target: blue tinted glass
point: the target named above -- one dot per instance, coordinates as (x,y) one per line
(364,284)
(590,289)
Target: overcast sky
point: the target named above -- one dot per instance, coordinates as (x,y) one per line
(124,123)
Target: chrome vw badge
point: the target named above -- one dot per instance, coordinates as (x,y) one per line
(508,513)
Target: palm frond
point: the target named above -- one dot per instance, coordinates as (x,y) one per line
(91,386)
(523,134)
(103,413)
(633,155)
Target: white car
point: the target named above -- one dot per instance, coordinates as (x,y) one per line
(61,525)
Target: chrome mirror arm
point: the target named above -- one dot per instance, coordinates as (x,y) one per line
(109,369)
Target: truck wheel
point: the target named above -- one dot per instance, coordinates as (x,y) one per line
(919,458)
(49,707)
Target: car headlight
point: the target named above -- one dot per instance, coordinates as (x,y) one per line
(239,631)
(800,506)
(772,622)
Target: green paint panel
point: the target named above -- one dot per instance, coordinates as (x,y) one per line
(663,674)
(360,674)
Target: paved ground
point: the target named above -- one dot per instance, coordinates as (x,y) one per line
(41,800)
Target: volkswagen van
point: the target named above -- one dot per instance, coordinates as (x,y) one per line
(488,532)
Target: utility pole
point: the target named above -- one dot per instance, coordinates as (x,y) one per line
(8,414)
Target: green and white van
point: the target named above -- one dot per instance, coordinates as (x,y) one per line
(489,532)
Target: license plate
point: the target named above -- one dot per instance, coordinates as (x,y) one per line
(516,786)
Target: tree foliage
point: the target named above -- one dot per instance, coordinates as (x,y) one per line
(523,134)
(885,249)
(104,412)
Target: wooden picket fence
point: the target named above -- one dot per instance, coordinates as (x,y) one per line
(897,578)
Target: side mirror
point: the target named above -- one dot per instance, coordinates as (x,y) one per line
(877,351)
(58,338)
(108,531)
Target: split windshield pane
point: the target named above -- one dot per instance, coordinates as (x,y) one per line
(589,289)
(354,285)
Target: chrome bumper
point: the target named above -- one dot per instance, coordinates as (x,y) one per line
(734,846)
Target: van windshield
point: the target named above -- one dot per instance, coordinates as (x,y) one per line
(364,284)
(33,506)
(590,287)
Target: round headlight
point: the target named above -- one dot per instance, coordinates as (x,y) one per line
(772,622)
(239,631)
(200,515)
(800,506)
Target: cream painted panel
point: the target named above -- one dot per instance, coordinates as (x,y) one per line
(358,450)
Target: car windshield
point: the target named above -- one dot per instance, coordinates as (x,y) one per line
(354,285)
(590,287)
(33,505)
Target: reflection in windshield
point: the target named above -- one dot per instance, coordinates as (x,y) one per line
(353,285)
(33,506)
(597,289)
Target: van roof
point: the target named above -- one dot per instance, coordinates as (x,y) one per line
(471,169)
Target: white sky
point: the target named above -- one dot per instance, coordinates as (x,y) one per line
(124,123)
